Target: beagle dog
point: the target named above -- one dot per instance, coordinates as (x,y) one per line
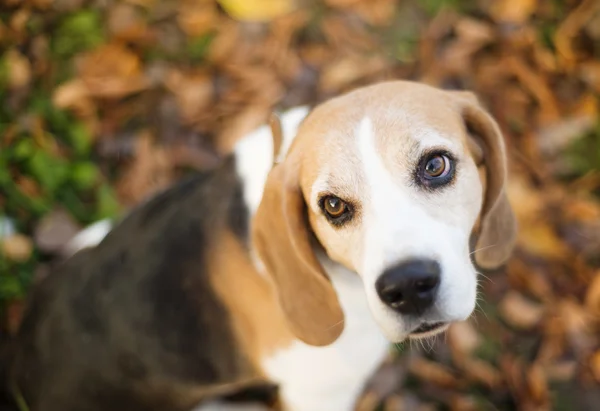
(293,271)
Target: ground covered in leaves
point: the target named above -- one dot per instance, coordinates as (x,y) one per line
(105,102)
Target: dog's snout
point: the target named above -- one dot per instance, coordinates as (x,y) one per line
(409,287)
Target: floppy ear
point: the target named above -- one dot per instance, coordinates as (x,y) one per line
(282,240)
(498,227)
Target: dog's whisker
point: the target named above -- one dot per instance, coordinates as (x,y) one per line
(483,248)
(486,277)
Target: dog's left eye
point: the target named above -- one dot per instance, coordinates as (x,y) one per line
(435,169)
(437,166)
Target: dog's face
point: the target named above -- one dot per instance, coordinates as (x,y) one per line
(393,180)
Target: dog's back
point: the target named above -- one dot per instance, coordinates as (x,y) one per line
(132,324)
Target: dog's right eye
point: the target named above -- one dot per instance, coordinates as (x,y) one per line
(335,209)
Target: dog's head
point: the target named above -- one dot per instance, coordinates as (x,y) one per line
(392,180)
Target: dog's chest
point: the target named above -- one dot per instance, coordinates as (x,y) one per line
(331,378)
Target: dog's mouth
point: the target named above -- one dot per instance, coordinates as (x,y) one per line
(428,330)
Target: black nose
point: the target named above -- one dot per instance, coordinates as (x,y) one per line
(409,287)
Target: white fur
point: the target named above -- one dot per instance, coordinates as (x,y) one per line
(254,154)
(399,225)
(332,377)
(90,236)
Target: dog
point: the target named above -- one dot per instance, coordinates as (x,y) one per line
(292,270)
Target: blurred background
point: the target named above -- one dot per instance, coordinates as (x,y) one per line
(102,103)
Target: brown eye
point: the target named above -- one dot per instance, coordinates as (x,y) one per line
(334,207)
(336,210)
(437,166)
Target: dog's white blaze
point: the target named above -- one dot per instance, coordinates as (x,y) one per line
(332,377)
(398,226)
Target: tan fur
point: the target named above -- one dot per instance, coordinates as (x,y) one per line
(277,133)
(282,240)
(498,230)
(258,321)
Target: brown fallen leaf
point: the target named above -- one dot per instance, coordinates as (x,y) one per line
(463,403)
(560,371)
(592,298)
(568,29)
(578,326)
(344,71)
(245,122)
(481,372)
(111,71)
(19,69)
(513,11)
(125,22)
(595,365)
(368,402)
(463,338)
(197,18)
(590,73)
(193,91)
(433,372)
(538,386)
(519,311)
(540,239)
(74,95)
(17,247)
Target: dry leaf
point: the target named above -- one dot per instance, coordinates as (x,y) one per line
(342,72)
(194,92)
(433,372)
(561,371)
(519,311)
(245,122)
(595,365)
(74,95)
(567,31)
(540,239)
(482,372)
(111,71)
(368,402)
(538,387)
(513,11)
(19,69)
(17,247)
(126,23)
(578,326)
(463,337)
(463,403)
(592,299)
(197,18)
(590,73)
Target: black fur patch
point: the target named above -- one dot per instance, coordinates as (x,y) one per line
(138,309)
